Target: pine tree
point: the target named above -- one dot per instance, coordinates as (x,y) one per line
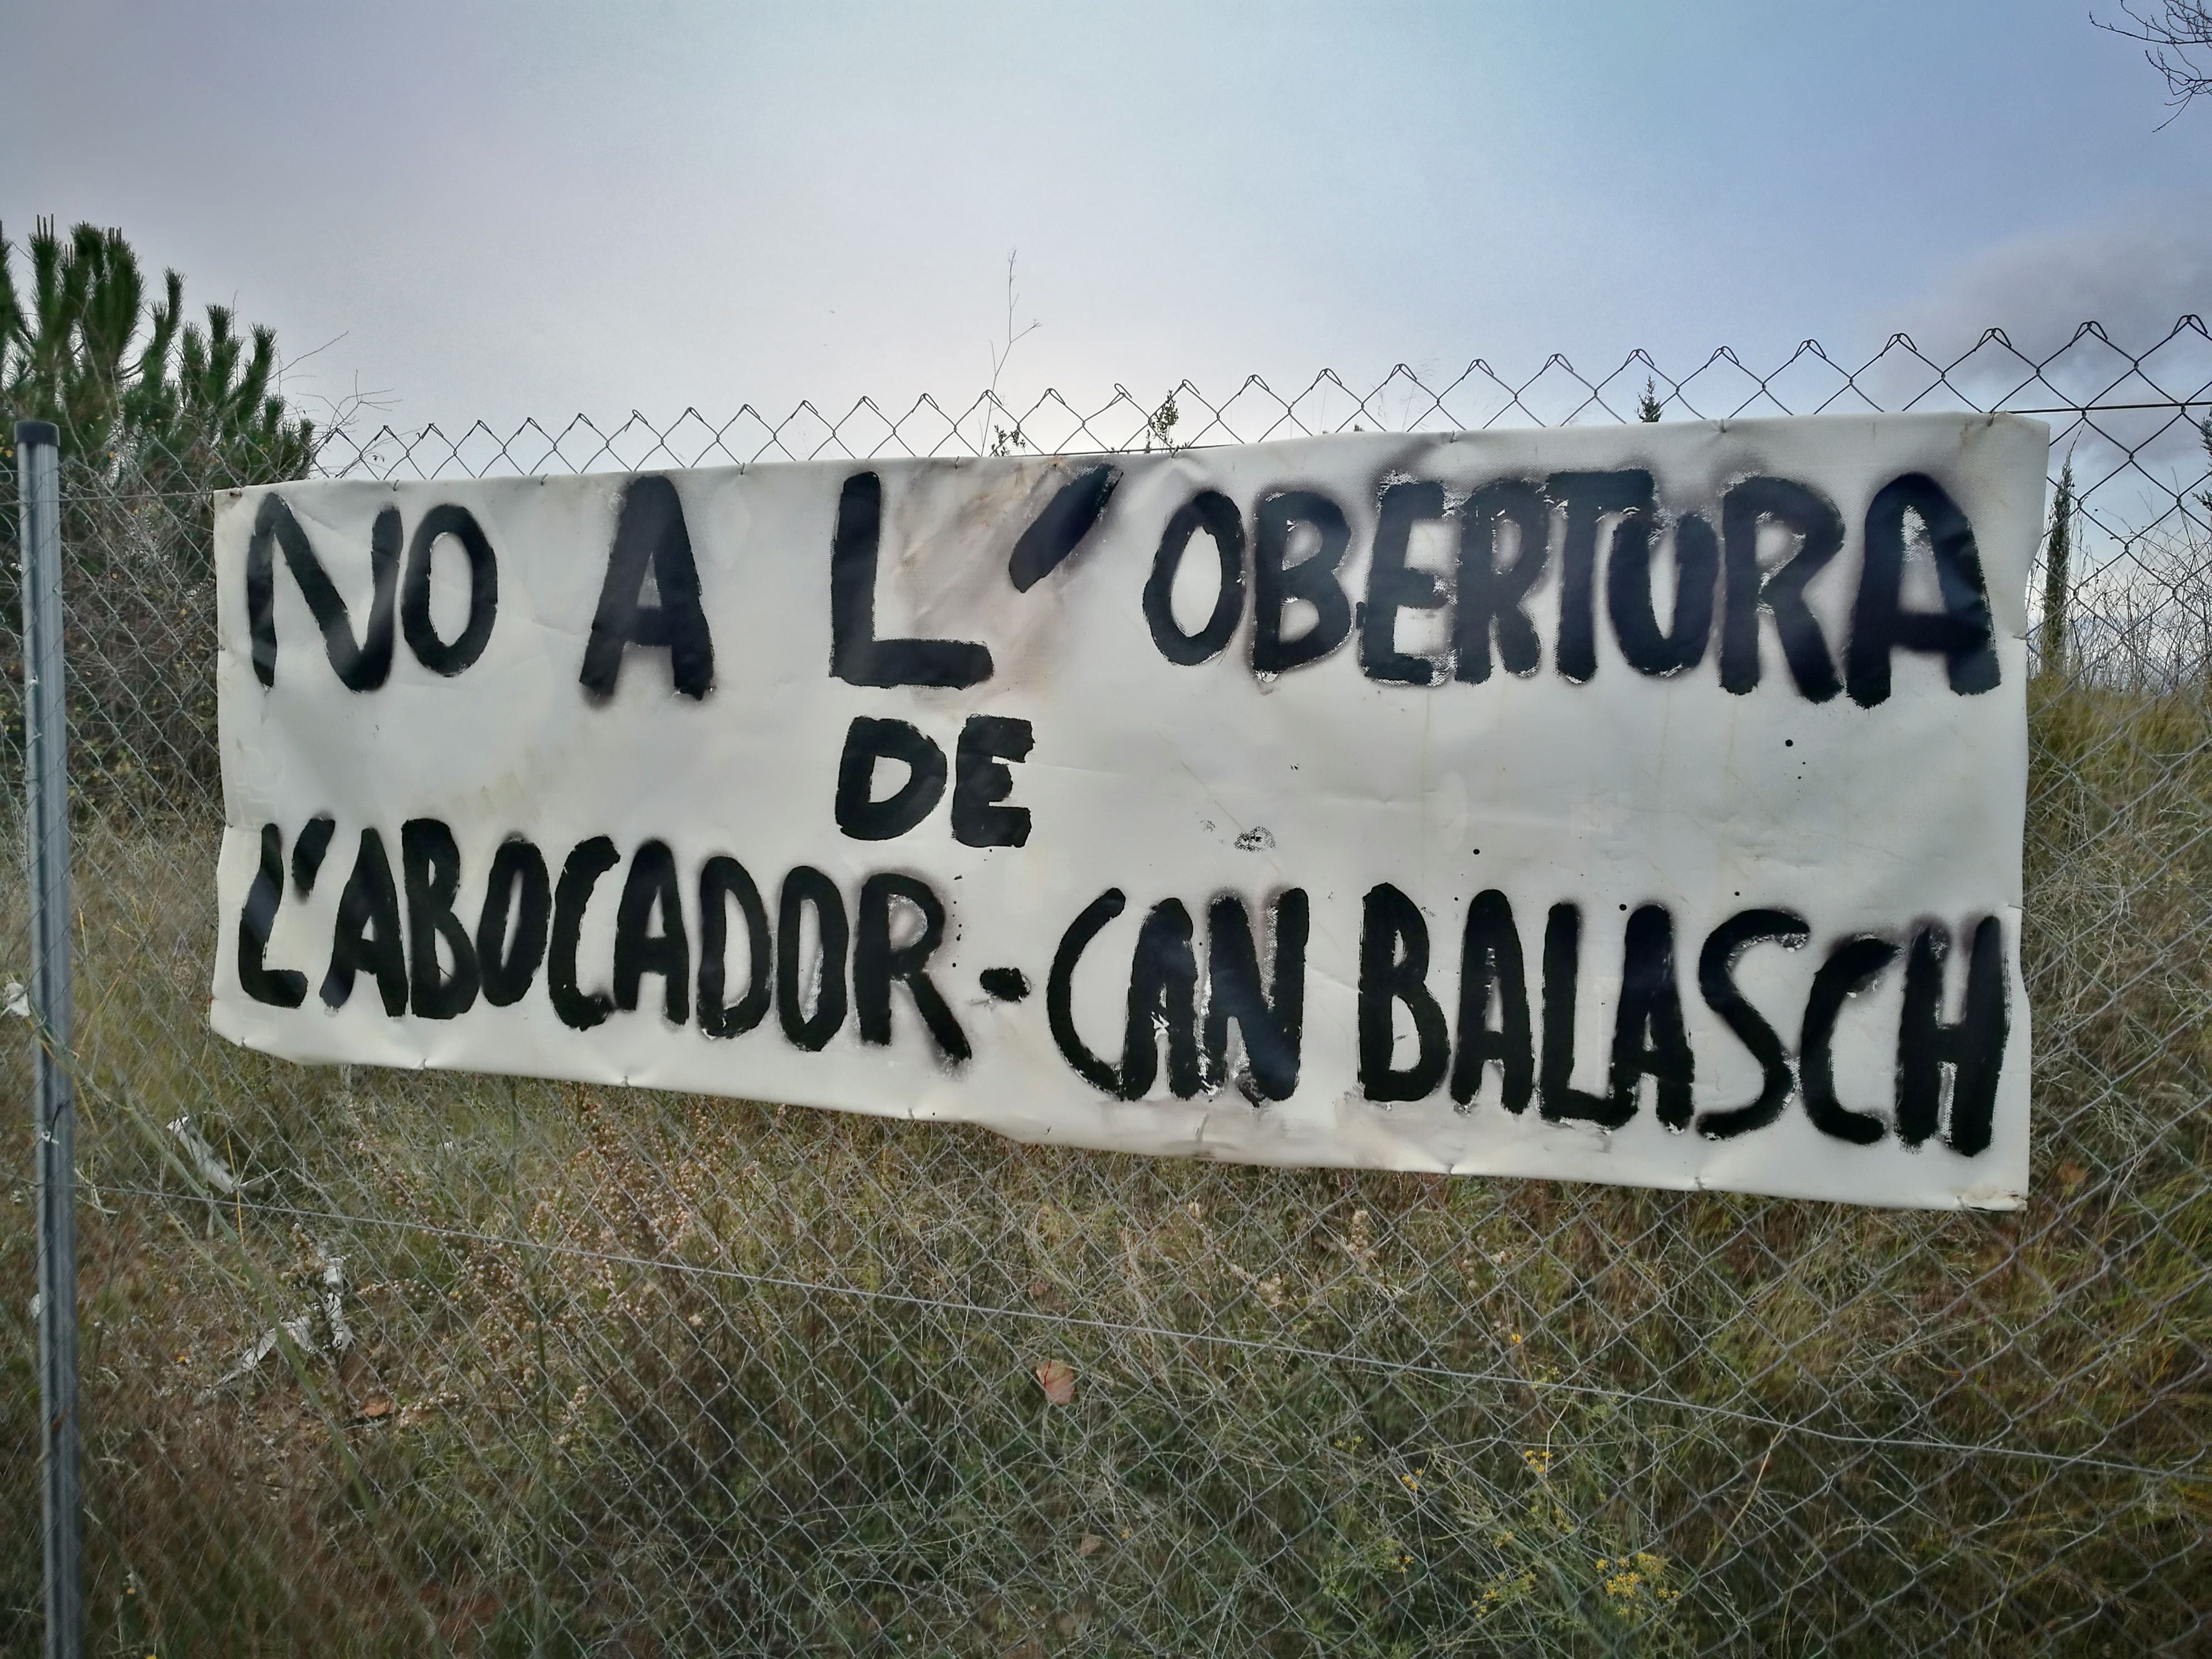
(130,383)
(156,415)
(1647,406)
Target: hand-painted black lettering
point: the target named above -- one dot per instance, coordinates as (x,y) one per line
(1810,516)
(1490,597)
(1163,1002)
(980,781)
(862,817)
(722,878)
(1560,1100)
(1312,578)
(1073,512)
(1492,973)
(856,655)
(650,538)
(652,889)
(1003,984)
(1647,1036)
(1270,1023)
(430,871)
(1393,967)
(1973,1045)
(368,932)
(1717,980)
(360,667)
(1060,992)
(810,991)
(1852,966)
(261,585)
(280,987)
(588,861)
(1394,585)
(308,851)
(517,888)
(1960,633)
(433,653)
(1649,648)
(1215,513)
(878,964)
(1589,499)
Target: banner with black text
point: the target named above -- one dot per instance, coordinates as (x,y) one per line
(1639,804)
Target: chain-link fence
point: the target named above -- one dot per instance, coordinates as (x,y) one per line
(376,1362)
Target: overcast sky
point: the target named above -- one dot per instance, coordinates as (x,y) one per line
(498,210)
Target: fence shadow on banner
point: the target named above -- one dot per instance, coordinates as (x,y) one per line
(387,1363)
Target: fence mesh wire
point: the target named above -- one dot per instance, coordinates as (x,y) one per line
(377,1362)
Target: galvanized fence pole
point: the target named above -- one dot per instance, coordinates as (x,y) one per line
(46,793)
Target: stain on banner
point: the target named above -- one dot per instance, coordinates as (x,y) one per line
(1638,805)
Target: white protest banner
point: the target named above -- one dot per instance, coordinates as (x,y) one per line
(1638,805)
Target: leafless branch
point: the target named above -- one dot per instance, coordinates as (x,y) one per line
(2177,38)
(1000,352)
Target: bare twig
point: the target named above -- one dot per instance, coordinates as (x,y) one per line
(1004,440)
(2177,38)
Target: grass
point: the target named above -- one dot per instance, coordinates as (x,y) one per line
(683,1374)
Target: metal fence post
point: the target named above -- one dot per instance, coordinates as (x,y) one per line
(46,793)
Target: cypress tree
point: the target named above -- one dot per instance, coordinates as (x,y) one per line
(2057,560)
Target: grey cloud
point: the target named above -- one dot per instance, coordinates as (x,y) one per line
(2135,271)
